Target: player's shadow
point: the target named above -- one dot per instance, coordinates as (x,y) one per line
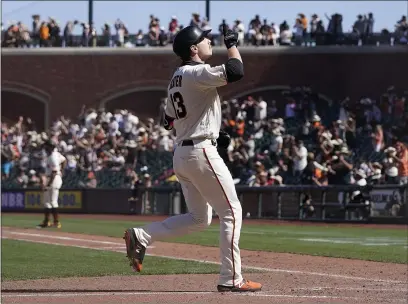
(39,291)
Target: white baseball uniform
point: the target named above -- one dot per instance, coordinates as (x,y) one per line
(205,179)
(54,162)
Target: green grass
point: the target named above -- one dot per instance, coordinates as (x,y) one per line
(374,244)
(23,260)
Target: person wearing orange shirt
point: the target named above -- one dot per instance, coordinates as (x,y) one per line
(240,127)
(44,35)
(303,21)
(402,159)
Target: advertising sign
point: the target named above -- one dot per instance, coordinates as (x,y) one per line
(66,200)
(12,200)
(382,197)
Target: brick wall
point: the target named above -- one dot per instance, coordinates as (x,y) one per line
(67,79)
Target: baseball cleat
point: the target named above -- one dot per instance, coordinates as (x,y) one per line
(57,225)
(44,225)
(245,286)
(135,250)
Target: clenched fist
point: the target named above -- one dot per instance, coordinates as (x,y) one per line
(230,37)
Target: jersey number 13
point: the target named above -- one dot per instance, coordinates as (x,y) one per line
(178,104)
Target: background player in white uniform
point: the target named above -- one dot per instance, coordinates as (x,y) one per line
(194,110)
(51,184)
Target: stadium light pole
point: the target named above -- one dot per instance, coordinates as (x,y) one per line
(207,9)
(90,12)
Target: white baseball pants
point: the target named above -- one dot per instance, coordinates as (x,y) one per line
(206,183)
(51,195)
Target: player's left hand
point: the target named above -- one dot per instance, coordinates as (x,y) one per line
(223,140)
(230,37)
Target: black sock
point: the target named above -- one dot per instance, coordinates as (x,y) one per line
(47,215)
(55,214)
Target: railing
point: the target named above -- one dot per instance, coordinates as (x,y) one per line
(330,203)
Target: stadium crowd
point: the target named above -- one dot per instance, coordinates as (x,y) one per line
(289,140)
(304,31)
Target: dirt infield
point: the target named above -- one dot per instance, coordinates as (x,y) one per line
(287,278)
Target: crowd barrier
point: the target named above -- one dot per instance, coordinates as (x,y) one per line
(331,203)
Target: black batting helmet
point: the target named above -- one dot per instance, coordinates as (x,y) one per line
(187,37)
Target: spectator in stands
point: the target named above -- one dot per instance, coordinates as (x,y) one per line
(334,28)
(390,166)
(299,155)
(285,34)
(205,25)
(24,35)
(264,30)
(255,23)
(369,28)
(86,35)
(94,35)
(107,143)
(22,179)
(340,168)
(173,28)
(360,196)
(134,183)
(258,33)
(378,138)
(44,35)
(298,32)
(304,22)
(54,30)
(34,180)
(121,32)
(195,20)
(401,31)
(154,33)
(90,181)
(68,40)
(220,30)
(10,37)
(139,39)
(35,30)
(9,154)
(359,26)
(401,158)
(376,177)
(240,29)
(276,142)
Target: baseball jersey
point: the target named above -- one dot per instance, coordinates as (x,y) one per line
(54,162)
(194,102)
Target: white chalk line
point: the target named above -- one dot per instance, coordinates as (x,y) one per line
(354,241)
(67,238)
(112,247)
(333,234)
(125,293)
(280,232)
(210,262)
(351,289)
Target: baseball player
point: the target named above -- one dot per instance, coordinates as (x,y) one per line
(51,184)
(194,111)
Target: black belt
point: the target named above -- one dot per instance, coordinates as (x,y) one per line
(189,142)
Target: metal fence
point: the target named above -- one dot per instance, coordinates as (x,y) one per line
(330,203)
